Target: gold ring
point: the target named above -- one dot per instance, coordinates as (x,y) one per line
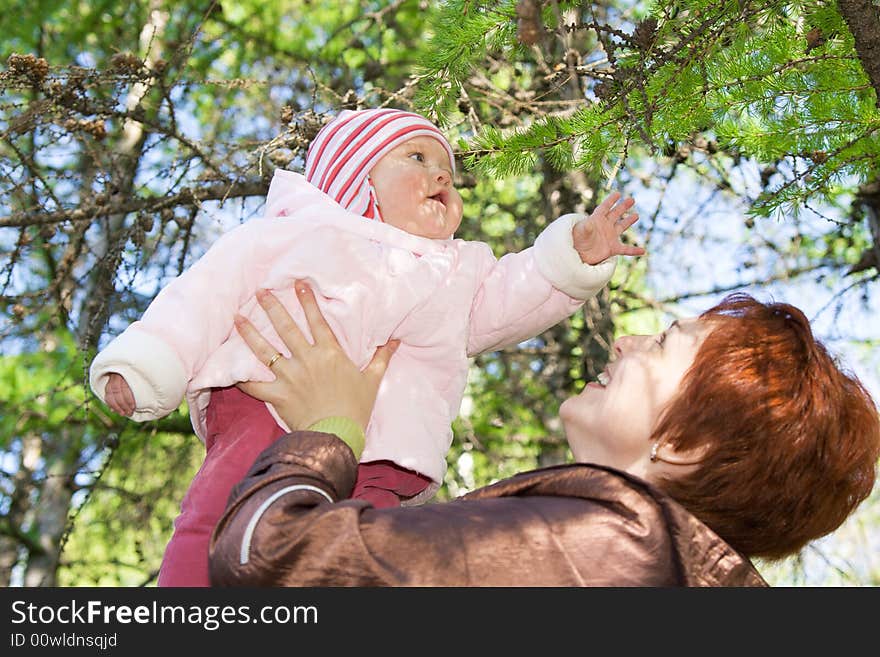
(273,360)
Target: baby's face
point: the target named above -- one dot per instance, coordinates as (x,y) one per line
(413,184)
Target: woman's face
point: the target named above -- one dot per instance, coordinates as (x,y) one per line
(610,422)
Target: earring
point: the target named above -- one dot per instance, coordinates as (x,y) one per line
(671,459)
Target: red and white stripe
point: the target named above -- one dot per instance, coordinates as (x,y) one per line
(342,154)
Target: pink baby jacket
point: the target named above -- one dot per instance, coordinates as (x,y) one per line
(445,300)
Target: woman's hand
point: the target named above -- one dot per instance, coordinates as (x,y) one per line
(318,381)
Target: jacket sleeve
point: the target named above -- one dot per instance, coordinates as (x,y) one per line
(281,516)
(184,324)
(287,523)
(523,294)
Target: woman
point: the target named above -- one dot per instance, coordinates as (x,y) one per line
(729,436)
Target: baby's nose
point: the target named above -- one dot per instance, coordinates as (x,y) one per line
(443,176)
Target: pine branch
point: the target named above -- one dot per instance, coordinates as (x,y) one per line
(183,197)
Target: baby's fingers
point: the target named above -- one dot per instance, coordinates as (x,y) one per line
(119,396)
(605,206)
(620,209)
(627,250)
(117,405)
(627,220)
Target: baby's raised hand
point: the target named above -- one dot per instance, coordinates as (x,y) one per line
(597,236)
(118,395)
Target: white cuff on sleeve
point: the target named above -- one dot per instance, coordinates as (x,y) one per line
(151,368)
(559,262)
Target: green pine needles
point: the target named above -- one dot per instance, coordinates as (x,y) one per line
(778,82)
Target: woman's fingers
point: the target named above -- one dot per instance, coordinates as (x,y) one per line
(321,331)
(317,381)
(284,325)
(261,347)
(257,389)
(381,358)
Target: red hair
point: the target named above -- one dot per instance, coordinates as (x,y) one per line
(791,440)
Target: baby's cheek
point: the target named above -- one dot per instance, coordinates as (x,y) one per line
(455,204)
(409,187)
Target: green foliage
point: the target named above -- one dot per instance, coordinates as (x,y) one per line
(542,129)
(120,531)
(496,439)
(126,484)
(461,33)
(42,391)
(136,106)
(770,81)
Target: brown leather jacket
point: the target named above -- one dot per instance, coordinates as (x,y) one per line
(571,525)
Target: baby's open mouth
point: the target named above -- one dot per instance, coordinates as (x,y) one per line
(439,196)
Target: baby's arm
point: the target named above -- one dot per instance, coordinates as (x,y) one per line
(143,372)
(523,294)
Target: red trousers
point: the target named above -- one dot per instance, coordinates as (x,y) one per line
(239,429)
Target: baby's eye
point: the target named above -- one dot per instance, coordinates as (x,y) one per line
(418,156)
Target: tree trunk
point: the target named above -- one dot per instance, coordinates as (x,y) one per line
(50,511)
(61,453)
(574,191)
(863,19)
(96,306)
(867,204)
(14,538)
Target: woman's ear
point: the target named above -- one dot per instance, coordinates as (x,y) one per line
(661,451)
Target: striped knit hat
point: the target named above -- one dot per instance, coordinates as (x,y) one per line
(342,154)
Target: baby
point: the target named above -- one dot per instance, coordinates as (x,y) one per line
(400,276)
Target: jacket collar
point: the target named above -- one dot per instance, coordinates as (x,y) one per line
(705,559)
